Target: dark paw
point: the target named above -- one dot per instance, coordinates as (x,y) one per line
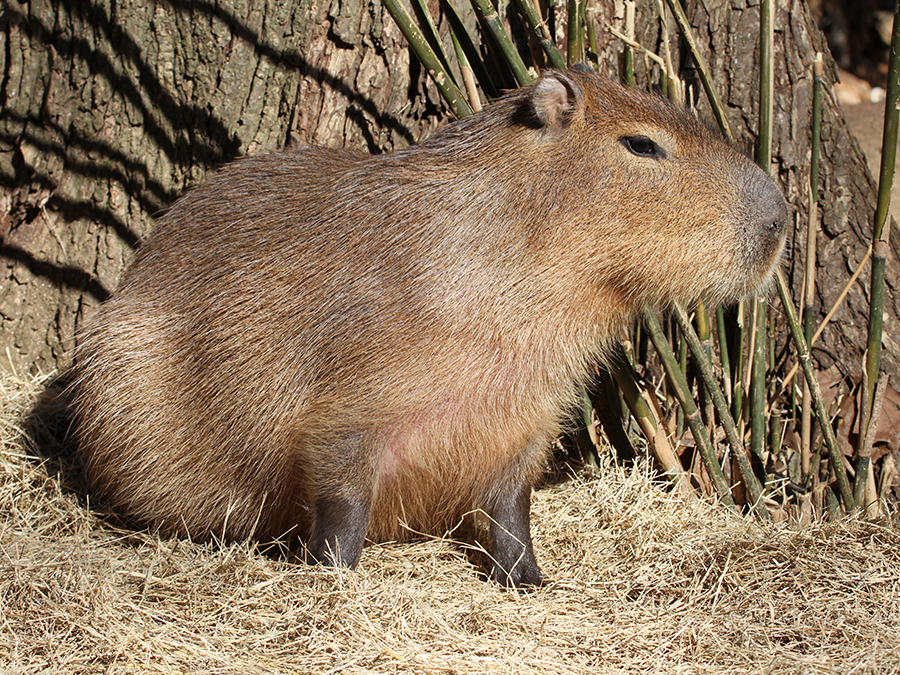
(330,554)
(523,576)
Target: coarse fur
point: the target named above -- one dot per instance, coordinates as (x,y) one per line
(330,345)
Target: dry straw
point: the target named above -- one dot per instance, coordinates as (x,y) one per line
(641,582)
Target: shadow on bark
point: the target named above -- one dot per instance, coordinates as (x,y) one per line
(99,135)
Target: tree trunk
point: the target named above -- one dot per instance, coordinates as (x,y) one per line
(110,110)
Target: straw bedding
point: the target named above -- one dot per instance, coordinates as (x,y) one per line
(641,581)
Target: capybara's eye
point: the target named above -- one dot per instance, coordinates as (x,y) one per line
(643,147)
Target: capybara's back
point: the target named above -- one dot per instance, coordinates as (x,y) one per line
(327,345)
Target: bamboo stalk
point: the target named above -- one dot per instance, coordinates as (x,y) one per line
(642,411)
(489,16)
(766,85)
(671,83)
(551,18)
(737,402)
(590,20)
(724,356)
(472,55)
(636,45)
(809,293)
(704,365)
(432,36)
(813,222)
(466,71)
(879,257)
(702,319)
(682,366)
(831,312)
(692,415)
(758,383)
(429,59)
(806,363)
(879,235)
(702,68)
(575,43)
(539,28)
(628,54)
(758,435)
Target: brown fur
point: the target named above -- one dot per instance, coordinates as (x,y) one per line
(399,334)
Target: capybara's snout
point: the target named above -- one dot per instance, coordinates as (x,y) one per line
(763,222)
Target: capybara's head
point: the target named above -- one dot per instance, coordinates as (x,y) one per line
(657,205)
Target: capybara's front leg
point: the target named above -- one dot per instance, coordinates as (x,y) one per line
(339,530)
(511,549)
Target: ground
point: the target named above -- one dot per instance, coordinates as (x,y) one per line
(640,581)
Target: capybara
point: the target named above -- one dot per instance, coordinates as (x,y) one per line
(327,346)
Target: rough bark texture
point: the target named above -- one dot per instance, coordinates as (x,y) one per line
(111,108)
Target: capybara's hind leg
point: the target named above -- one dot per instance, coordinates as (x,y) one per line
(514,563)
(343,503)
(339,531)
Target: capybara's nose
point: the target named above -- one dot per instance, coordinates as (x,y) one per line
(765,210)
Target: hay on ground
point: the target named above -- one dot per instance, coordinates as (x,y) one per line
(641,582)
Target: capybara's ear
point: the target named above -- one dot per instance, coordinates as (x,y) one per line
(556,99)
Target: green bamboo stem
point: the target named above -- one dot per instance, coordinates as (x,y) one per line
(590,20)
(724,356)
(671,85)
(758,383)
(702,68)
(632,393)
(692,415)
(766,84)
(628,59)
(758,435)
(539,28)
(704,365)
(551,18)
(813,222)
(682,366)
(737,402)
(432,36)
(771,332)
(429,59)
(830,315)
(575,43)
(879,236)
(813,475)
(703,334)
(805,359)
(880,249)
(489,16)
(472,55)
(809,292)
(776,427)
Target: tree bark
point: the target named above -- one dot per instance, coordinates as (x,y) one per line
(111,109)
